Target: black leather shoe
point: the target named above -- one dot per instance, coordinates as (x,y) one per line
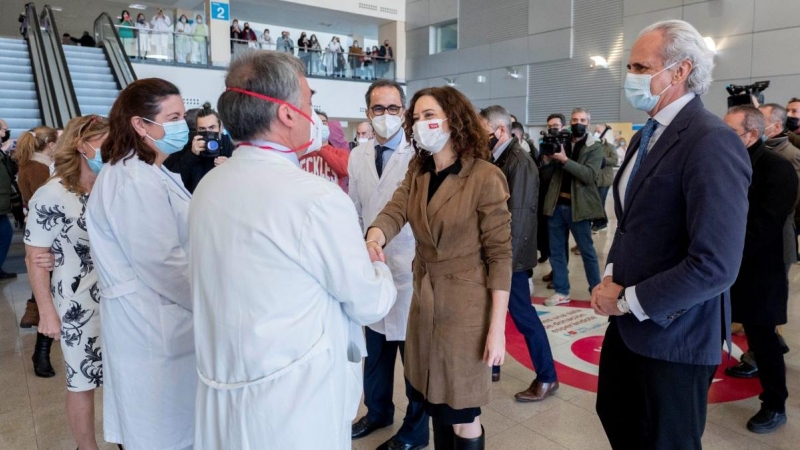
(766,421)
(41,357)
(364,427)
(742,370)
(395,444)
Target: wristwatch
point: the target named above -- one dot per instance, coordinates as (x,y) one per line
(622,303)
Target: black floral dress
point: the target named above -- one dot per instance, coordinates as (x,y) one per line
(56,221)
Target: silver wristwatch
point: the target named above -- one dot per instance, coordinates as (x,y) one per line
(622,303)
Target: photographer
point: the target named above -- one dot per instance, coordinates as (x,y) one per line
(793,121)
(572,201)
(207,148)
(555,124)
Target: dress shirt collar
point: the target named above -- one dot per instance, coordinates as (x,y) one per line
(497,153)
(392,143)
(291,157)
(668,114)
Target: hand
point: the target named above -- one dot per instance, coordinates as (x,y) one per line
(495,352)
(220,160)
(561,156)
(546,159)
(50,325)
(604,298)
(45,261)
(198,145)
(375,252)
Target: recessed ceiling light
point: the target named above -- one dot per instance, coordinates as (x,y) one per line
(710,43)
(599,61)
(57,8)
(137,6)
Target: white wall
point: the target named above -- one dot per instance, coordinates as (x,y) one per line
(342,100)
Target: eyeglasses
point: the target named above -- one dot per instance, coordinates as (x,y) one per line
(379,110)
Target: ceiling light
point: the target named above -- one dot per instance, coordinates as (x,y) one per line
(481,78)
(599,61)
(57,8)
(137,6)
(513,72)
(710,43)
(450,81)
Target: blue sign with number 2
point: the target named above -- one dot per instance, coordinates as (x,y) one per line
(220,11)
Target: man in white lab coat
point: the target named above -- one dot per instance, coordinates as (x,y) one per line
(281,280)
(376,168)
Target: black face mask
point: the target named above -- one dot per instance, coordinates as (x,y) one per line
(792,123)
(553,131)
(493,141)
(578,130)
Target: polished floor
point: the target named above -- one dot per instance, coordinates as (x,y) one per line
(32,409)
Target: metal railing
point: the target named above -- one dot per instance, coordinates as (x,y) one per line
(326,63)
(57,99)
(105,33)
(167,46)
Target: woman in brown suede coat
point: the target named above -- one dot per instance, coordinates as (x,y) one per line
(455,201)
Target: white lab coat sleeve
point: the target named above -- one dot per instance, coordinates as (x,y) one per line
(352,177)
(340,262)
(167,21)
(147,231)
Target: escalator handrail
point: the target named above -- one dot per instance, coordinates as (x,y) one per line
(41,69)
(122,65)
(73,109)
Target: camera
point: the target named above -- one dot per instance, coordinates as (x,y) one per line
(552,141)
(742,95)
(213,143)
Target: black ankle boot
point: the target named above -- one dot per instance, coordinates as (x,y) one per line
(41,357)
(444,437)
(478,443)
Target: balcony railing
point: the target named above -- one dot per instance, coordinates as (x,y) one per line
(167,46)
(325,63)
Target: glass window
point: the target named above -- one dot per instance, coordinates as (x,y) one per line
(446,37)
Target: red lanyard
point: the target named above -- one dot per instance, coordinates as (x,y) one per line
(271,99)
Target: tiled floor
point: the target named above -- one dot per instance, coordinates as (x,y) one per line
(32,409)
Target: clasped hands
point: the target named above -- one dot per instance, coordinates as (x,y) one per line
(605,296)
(375,242)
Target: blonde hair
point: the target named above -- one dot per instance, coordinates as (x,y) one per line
(35,140)
(68,154)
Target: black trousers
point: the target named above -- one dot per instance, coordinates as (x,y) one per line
(768,351)
(379,387)
(648,404)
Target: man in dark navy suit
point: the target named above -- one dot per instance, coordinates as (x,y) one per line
(681,206)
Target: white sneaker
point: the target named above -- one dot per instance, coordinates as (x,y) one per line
(557,299)
(531,285)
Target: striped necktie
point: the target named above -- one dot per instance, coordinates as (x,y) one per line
(647,133)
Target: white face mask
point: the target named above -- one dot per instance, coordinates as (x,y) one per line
(362,140)
(386,125)
(316,133)
(637,90)
(596,135)
(430,136)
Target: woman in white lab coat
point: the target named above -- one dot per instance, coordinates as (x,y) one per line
(142,35)
(183,43)
(137,220)
(199,41)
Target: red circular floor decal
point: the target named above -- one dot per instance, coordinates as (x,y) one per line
(576,337)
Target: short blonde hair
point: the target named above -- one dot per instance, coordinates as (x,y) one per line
(68,155)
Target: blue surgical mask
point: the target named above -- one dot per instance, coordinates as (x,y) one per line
(176,135)
(326,132)
(95,163)
(637,90)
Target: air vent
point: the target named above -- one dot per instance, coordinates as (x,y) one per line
(388,10)
(362,109)
(367,6)
(192,102)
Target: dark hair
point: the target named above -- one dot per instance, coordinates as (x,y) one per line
(65,35)
(205,111)
(753,118)
(142,15)
(518,126)
(794,100)
(142,98)
(321,113)
(513,118)
(466,131)
(191,117)
(386,83)
(274,74)
(122,15)
(558,116)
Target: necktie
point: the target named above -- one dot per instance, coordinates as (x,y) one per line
(379,149)
(647,133)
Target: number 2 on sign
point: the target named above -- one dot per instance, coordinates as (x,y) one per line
(220,11)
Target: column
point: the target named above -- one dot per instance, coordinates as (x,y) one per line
(396,34)
(218,13)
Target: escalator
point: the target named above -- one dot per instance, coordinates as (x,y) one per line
(19,101)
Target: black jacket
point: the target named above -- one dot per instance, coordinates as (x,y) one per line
(523,185)
(759,295)
(193,168)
